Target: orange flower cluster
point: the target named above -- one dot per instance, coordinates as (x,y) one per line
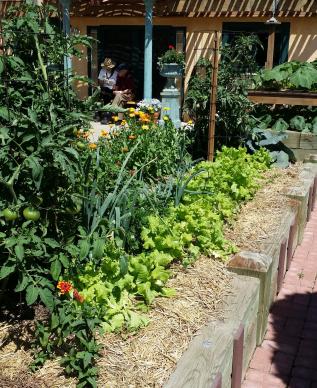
(66,287)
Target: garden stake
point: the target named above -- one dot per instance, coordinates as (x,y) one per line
(213,99)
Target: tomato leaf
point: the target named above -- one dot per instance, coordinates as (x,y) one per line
(56,268)
(6,270)
(47,298)
(19,251)
(32,294)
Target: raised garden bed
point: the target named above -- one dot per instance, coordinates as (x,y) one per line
(214,357)
(302,144)
(219,315)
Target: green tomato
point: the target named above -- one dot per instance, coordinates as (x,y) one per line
(80,145)
(76,208)
(31,214)
(9,215)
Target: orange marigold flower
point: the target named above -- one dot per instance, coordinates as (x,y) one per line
(64,287)
(78,297)
(132,137)
(104,133)
(92,146)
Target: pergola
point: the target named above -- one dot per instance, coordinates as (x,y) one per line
(118,8)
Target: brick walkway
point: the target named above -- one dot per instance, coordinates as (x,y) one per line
(288,355)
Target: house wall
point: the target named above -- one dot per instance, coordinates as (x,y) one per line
(199,37)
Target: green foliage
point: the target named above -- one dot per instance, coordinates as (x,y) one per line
(236,64)
(289,75)
(122,286)
(172,56)
(280,154)
(71,327)
(295,118)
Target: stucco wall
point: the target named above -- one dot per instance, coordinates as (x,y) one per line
(199,37)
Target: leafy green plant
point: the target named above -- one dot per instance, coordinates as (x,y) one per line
(290,75)
(280,154)
(233,107)
(172,56)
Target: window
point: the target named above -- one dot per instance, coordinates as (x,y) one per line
(230,30)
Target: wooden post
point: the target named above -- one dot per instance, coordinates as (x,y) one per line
(281,265)
(270,48)
(213,99)
(237,358)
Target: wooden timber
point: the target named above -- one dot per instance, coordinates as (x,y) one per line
(287,97)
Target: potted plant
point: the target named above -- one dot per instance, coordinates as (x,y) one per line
(171,63)
(152,107)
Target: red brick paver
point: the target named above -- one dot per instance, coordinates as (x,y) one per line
(287,357)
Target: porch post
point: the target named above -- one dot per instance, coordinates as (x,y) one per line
(66,31)
(148,48)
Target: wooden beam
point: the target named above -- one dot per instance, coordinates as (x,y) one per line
(270,49)
(213,99)
(282,97)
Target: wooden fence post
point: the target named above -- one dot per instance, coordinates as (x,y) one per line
(213,98)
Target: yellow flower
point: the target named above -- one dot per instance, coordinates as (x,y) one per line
(131,114)
(125,149)
(115,118)
(131,110)
(104,133)
(166,118)
(123,122)
(145,127)
(190,122)
(166,108)
(92,146)
(131,103)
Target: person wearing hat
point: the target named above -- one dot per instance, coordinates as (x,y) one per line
(124,89)
(107,80)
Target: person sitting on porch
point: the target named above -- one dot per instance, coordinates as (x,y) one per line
(124,89)
(107,80)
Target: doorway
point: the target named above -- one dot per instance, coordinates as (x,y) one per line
(125,44)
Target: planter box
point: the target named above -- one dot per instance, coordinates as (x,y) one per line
(220,353)
(283,97)
(302,144)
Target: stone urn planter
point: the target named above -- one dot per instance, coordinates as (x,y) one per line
(171,71)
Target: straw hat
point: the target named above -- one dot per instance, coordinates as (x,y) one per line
(108,64)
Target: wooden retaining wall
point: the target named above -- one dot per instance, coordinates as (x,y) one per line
(220,353)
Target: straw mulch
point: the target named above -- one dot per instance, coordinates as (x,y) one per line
(148,358)
(145,359)
(261,217)
(16,336)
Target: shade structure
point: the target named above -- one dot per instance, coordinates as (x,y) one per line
(191,8)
